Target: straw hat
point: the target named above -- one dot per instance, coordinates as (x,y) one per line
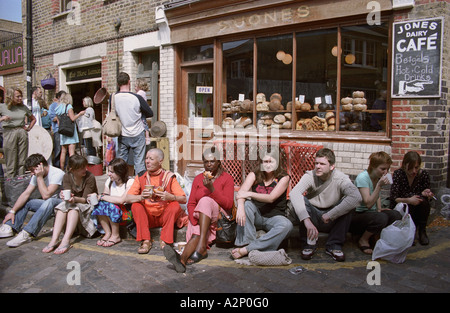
(158,129)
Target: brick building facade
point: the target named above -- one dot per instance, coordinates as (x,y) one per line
(86,38)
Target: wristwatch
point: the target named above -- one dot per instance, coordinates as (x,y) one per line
(12,211)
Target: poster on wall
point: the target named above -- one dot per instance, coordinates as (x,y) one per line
(417,58)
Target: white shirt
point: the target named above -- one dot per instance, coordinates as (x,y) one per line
(54,177)
(129,111)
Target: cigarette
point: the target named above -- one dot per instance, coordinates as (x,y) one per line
(434,198)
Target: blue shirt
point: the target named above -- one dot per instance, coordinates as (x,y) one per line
(52,114)
(363,181)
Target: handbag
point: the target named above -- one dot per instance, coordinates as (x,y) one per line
(66,125)
(49,82)
(396,239)
(226,227)
(112,127)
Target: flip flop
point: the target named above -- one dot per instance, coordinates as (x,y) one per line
(101,242)
(196,257)
(111,243)
(49,249)
(63,250)
(173,257)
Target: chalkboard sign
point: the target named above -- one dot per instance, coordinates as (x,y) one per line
(417,58)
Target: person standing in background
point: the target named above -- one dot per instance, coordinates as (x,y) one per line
(13,117)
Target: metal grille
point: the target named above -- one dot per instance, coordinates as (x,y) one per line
(239,157)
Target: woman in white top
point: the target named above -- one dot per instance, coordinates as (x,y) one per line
(86,124)
(111,211)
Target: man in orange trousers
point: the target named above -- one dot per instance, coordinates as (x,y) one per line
(156,196)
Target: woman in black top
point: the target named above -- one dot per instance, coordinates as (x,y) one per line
(261,204)
(412,186)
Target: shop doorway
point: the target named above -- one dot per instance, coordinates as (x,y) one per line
(196,121)
(81,90)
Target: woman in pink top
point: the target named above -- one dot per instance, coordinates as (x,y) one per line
(211,190)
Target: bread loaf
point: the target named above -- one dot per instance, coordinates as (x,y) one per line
(279,118)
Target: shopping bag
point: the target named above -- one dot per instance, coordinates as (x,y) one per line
(396,239)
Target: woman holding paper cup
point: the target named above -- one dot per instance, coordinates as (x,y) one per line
(412,186)
(370,218)
(75,210)
(111,210)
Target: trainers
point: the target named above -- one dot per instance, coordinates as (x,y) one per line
(337,255)
(6,231)
(20,239)
(308,252)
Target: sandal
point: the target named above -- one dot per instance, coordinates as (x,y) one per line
(237,254)
(145,247)
(49,248)
(196,257)
(101,242)
(110,243)
(63,250)
(365,249)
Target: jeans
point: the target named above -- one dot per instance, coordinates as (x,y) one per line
(277,229)
(137,145)
(336,229)
(56,149)
(43,212)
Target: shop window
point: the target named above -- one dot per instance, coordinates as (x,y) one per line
(316,81)
(274,82)
(364,78)
(238,74)
(198,53)
(316,99)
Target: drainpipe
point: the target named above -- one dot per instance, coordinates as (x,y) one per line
(29,38)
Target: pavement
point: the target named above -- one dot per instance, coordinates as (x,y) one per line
(88,268)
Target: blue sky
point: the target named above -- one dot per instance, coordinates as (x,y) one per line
(11,10)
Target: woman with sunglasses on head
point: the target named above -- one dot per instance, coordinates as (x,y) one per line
(261,205)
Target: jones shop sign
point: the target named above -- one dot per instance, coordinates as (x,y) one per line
(417,58)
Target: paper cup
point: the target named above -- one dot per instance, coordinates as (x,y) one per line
(93,200)
(181,246)
(311,242)
(67,193)
(389,177)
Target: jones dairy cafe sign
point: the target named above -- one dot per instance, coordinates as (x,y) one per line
(417,58)
(11,57)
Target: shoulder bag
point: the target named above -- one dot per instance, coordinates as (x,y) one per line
(66,125)
(226,227)
(112,127)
